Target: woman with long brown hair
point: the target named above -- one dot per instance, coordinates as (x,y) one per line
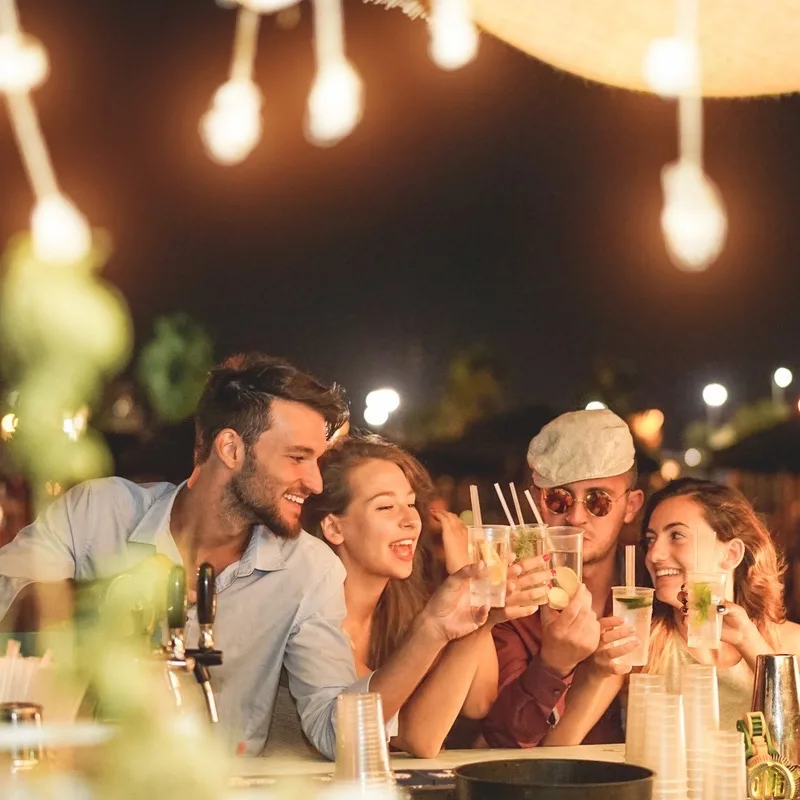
(754,616)
(371,511)
(753,613)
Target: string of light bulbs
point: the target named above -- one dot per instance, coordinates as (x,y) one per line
(232,127)
(60,233)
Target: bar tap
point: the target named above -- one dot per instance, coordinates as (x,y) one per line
(206,655)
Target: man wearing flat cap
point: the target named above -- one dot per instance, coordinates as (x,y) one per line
(583,465)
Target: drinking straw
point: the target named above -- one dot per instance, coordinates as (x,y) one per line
(517,506)
(504,504)
(630,566)
(534,509)
(477,520)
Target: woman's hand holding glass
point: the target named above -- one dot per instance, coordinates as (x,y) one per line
(616,639)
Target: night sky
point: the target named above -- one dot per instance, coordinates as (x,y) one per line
(503,203)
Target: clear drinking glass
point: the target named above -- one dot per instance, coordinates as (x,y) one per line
(490,544)
(634,606)
(565,545)
(706,590)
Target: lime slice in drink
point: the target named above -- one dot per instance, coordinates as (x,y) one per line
(567,579)
(557,598)
(494,564)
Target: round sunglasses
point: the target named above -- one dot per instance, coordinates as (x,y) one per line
(598,502)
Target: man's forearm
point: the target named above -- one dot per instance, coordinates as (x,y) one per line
(397,679)
(522,714)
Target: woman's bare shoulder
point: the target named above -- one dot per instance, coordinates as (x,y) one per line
(789,633)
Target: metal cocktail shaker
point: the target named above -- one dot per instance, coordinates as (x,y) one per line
(775,693)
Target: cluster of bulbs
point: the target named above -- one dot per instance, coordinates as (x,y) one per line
(233,125)
(693,217)
(60,233)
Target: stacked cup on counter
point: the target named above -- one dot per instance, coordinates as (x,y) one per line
(640,688)
(701,710)
(665,745)
(678,737)
(725,769)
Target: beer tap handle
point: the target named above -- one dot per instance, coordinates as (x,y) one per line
(176,612)
(206,605)
(206,653)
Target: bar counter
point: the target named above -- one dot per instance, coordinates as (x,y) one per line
(257,771)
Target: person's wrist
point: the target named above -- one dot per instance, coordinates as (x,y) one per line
(430,629)
(753,643)
(556,667)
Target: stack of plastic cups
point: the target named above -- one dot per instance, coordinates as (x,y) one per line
(725,769)
(362,756)
(701,712)
(665,746)
(640,686)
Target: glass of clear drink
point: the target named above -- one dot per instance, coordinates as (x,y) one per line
(634,606)
(706,591)
(564,543)
(490,544)
(527,541)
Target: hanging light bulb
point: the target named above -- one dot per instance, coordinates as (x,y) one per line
(335,104)
(232,127)
(671,66)
(23,63)
(693,218)
(454,37)
(268,6)
(60,233)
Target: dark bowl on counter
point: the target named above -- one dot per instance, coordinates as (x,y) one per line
(553,779)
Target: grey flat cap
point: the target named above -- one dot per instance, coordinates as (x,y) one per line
(580,446)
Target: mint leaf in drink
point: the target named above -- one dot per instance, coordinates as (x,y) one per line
(525,542)
(701,600)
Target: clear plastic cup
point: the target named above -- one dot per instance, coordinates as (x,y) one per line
(490,544)
(634,606)
(564,543)
(640,686)
(706,591)
(665,739)
(527,541)
(362,756)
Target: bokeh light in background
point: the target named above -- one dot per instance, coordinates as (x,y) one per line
(381,403)
(782,377)
(595,405)
(670,469)
(692,457)
(715,395)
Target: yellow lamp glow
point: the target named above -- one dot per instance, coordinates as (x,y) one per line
(746,48)
(232,127)
(335,104)
(23,63)
(693,218)
(61,234)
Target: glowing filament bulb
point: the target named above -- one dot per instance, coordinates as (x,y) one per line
(23,63)
(335,104)
(232,127)
(61,234)
(454,37)
(671,66)
(693,218)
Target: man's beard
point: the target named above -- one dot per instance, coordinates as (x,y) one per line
(255,497)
